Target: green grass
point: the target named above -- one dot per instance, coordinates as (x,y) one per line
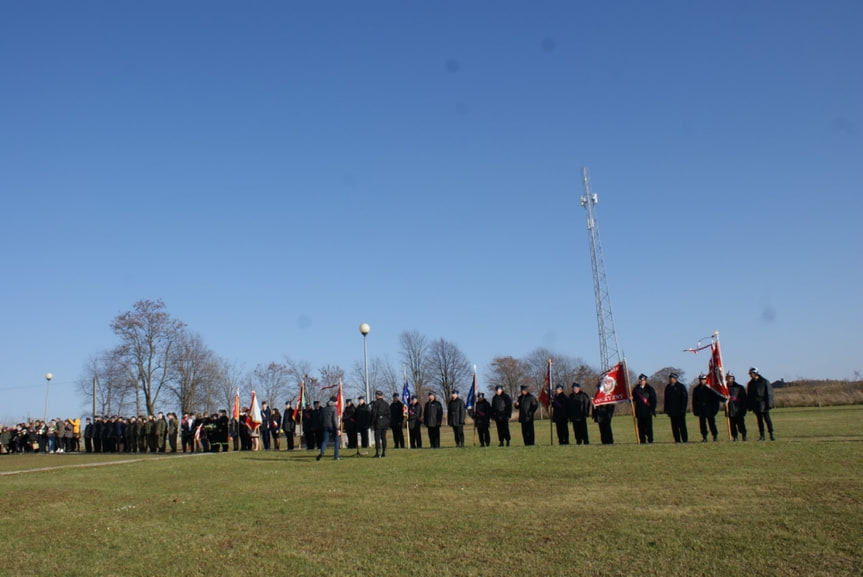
(793,507)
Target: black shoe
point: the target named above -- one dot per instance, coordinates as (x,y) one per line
(318,458)
(377,456)
(761,438)
(500,444)
(337,458)
(772,438)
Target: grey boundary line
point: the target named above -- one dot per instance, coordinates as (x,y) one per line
(102,464)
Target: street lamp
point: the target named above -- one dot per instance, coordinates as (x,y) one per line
(48,377)
(364,330)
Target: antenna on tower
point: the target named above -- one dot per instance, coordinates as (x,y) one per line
(609,351)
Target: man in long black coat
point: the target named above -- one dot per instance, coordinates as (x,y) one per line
(415,421)
(364,421)
(455,414)
(737,405)
(560,415)
(397,420)
(501,412)
(380,423)
(676,399)
(760,395)
(482,419)
(527,406)
(433,417)
(579,411)
(705,406)
(644,398)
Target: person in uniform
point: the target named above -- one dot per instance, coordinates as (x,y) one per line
(760,395)
(603,415)
(380,423)
(501,412)
(289,426)
(397,421)
(364,421)
(173,430)
(560,415)
(349,423)
(527,406)
(330,424)
(705,406)
(579,411)
(433,418)
(482,419)
(676,400)
(266,416)
(455,416)
(737,405)
(644,398)
(415,420)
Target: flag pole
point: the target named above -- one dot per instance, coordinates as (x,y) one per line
(721,370)
(475,401)
(631,401)
(551,406)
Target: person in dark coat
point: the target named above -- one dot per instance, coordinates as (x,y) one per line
(330,426)
(349,423)
(560,415)
(433,418)
(759,391)
(579,411)
(644,398)
(318,423)
(266,416)
(501,413)
(705,406)
(289,426)
(676,400)
(482,419)
(527,406)
(737,405)
(415,421)
(455,416)
(603,415)
(308,422)
(397,421)
(363,416)
(88,436)
(380,423)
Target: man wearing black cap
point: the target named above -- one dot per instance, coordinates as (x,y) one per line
(289,425)
(560,415)
(482,419)
(349,423)
(737,406)
(705,406)
(760,395)
(579,411)
(527,406)
(501,412)
(397,420)
(433,417)
(644,398)
(455,416)
(415,420)
(380,423)
(364,421)
(676,400)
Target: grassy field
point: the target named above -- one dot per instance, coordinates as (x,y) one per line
(793,507)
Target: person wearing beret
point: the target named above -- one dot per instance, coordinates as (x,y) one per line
(676,400)
(455,415)
(397,421)
(380,424)
(349,423)
(560,415)
(363,416)
(759,391)
(501,412)
(579,412)
(482,419)
(433,418)
(644,399)
(705,406)
(737,405)
(415,421)
(527,406)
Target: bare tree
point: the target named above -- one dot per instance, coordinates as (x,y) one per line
(508,372)
(299,371)
(230,379)
(271,382)
(659,379)
(331,376)
(193,368)
(449,368)
(114,388)
(415,355)
(148,336)
(382,375)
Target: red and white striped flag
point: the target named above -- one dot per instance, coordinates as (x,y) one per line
(715,372)
(255,418)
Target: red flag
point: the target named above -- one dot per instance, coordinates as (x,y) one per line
(715,374)
(255,418)
(612,387)
(301,402)
(235,413)
(545,394)
(340,401)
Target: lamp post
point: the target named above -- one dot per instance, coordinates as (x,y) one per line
(364,330)
(48,377)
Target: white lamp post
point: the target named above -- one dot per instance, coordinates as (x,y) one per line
(48,377)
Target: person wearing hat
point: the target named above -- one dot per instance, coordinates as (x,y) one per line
(455,416)
(481,414)
(603,414)
(676,400)
(705,406)
(415,421)
(560,415)
(308,418)
(349,423)
(289,426)
(760,395)
(527,406)
(736,407)
(380,424)
(363,416)
(644,399)
(501,413)
(579,411)
(330,424)
(433,418)
(397,422)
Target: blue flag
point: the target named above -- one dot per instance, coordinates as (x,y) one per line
(471,395)
(406,395)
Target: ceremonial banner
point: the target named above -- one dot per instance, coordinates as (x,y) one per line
(715,373)
(406,395)
(612,387)
(471,394)
(301,402)
(545,394)
(255,412)
(235,413)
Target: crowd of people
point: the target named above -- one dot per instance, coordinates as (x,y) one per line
(316,425)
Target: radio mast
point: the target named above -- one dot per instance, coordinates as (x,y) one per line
(609,351)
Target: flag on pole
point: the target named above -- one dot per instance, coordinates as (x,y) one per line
(471,394)
(255,412)
(301,402)
(340,400)
(715,373)
(406,395)
(235,412)
(545,394)
(612,386)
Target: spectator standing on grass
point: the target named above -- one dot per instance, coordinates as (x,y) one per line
(88,435)
(560,415)
(381,423)
(173,430)
(349,423)
(455,415)
(415,421)
(364,421)
(579,411)
(760,394)
(275,424)
(603,415)
(676,400)
(501,413)
(482,418)
(433,417)
(397,422)
(705,406)
(289,426)
(330,425)
(527,406)
(266,415)
(737,405)
(644,398)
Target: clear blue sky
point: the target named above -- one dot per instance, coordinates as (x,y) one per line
(279,172)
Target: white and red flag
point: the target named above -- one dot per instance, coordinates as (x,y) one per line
(715,372)
(255,418)
(612,386)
